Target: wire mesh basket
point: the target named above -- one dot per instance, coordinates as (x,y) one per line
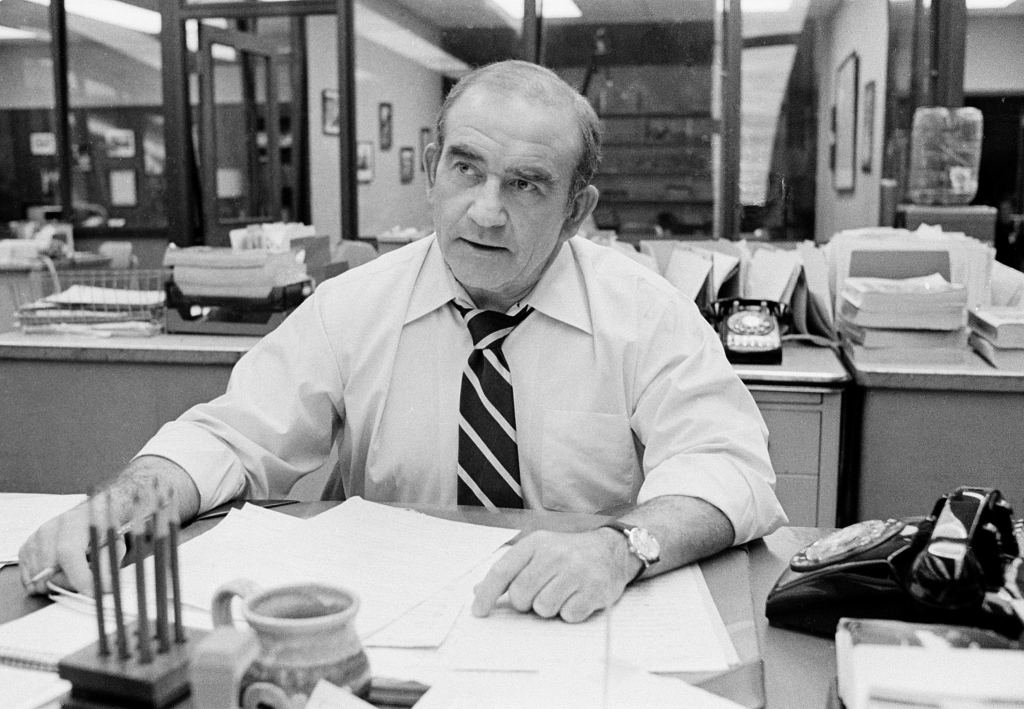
(117,301)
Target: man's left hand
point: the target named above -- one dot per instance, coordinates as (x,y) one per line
(571,575)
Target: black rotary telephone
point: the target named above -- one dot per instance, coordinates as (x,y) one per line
(960,565)
(750,329)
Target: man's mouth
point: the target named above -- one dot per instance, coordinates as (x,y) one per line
(484,247)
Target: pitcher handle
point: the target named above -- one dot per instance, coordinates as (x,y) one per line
(222,597)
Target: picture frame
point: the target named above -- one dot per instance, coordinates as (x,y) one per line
(867,131)
(426,138)
(122,188)
(406,164)
(385,119)
(120,142)
(844,175)
(330,112)
(44,143)
(364,161)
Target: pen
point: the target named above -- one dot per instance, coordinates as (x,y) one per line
(49,571)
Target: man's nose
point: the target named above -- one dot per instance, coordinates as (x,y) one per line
(487,209)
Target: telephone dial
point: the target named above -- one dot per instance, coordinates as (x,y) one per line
(960,565)
(750,329)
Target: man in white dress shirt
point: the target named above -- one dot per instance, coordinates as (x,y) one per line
(622,395)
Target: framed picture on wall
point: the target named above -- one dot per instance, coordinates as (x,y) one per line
(330,112)
(384,119)
(406,160)
(845,173)
(42,143)
(120,142)
(867,128)
(364,161)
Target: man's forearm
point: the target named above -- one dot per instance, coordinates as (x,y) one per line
(687,529)
(146,478)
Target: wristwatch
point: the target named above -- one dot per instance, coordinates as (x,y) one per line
(642,544)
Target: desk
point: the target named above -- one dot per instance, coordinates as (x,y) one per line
(106,397)
(927,428)
(798,668)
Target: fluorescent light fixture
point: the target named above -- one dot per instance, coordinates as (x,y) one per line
(113,13)
(10,33)
(389,34)
(766,5)
(551,9)
(988,4)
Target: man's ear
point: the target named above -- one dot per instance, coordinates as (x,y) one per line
(582,206)
(431,156)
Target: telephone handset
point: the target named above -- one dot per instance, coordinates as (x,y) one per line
(750,329)
(959,565)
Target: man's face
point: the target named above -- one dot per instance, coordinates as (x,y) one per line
(500,192)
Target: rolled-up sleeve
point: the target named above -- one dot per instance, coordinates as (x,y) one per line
(273,425)
(702,433)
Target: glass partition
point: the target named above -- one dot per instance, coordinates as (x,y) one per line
(29,169)
(115,117)
(649,69)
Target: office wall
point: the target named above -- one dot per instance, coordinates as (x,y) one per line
(381,76)
(995,55)
(859,26)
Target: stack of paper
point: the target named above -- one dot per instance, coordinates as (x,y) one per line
(909,319)
(998,335)
(891,663)
(208,271)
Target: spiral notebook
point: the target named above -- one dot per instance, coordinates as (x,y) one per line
(39,640)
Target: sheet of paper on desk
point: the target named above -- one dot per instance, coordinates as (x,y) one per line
(22,513)
(393,559)
(569,685)
(665,624)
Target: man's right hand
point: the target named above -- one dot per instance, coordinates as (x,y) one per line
(59,545)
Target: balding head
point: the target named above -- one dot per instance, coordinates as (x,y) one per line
(536,83)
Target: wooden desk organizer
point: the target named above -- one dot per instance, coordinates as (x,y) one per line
(110,682)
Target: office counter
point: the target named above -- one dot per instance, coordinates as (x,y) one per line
(76,408)
(927,428)
(797,668)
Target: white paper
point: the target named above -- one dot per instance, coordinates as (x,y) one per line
(22,513)
(29,689)
(668,623)
(569,684)
(688,270)
(392,559)
(772,274)
(330,696)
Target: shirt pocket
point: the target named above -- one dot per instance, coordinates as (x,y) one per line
(588,461)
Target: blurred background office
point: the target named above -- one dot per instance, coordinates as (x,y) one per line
(158,121)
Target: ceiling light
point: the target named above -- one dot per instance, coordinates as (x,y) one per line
(7,33)
(988,4)
(766,5)
(551,9)
(113,13)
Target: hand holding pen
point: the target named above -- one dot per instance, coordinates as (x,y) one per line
(57,552)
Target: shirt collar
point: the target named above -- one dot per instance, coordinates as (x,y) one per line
(559,295)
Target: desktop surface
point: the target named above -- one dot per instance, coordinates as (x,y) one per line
(797,668)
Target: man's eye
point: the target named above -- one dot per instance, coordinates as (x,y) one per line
(523,185)
(463,168)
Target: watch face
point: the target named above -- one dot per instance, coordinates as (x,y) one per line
(645,544)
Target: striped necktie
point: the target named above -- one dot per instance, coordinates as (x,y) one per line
(488,454)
